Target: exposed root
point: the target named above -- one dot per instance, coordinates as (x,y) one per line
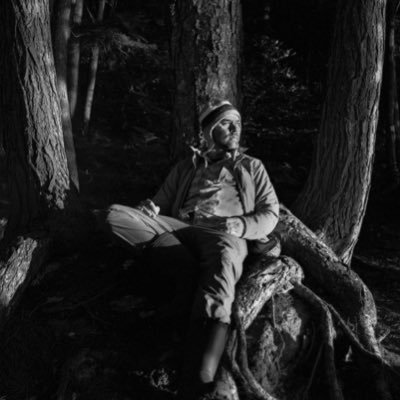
(18,268)
(241,373)
(232,365)
(352,337)
(260,284)
(312,375)
(375,369)
(348,305)
(274,276)
(328,335)
(343,288)
(255,388)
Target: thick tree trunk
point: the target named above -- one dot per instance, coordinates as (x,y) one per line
(334,199)
(31,127)
(340,300)
(38,177)
(94,62)
(206,52)
(333,279)
(61,39)
(74,59)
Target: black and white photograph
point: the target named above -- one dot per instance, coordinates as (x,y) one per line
(199,200)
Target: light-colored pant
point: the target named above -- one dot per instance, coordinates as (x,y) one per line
(219,254)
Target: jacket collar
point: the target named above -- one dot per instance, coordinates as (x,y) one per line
(206,156)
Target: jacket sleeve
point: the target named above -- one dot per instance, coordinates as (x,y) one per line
(262,221)
(166,195)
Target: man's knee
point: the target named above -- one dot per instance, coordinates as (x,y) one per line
(232,252)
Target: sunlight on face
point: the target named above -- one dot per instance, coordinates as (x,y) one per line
(226,133)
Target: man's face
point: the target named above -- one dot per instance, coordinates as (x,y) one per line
(226,134)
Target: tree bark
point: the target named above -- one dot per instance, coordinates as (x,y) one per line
(334,199)
(342,288)
(259,284)
(61,39)
(37,170)
(74,59)
(206,53)
(341,301)
(94,62)
(339,285)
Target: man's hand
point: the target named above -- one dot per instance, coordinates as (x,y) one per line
(149,208)
(232,225)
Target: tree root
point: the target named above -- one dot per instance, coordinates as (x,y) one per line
(271,276)
(342,287)
(310,381)
(240,370)
(259,284)
(328,335)
(18,267)
(347,304)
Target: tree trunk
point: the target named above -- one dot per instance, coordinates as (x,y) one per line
(38,177)
(389,93)
(74,59)
(206,53)
(94,62)
(338,284)
(61,38)
(341,301)
(334,199)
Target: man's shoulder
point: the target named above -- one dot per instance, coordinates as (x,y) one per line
(251,162)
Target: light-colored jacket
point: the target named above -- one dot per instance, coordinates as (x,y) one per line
(260,203)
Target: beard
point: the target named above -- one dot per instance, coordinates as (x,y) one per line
(229,145)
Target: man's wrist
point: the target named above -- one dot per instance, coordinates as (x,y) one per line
(235,226)
(244,226)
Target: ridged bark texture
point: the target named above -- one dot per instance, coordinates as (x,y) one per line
(334,199)
(206,52)
(30,123)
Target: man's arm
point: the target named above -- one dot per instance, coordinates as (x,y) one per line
(263,220)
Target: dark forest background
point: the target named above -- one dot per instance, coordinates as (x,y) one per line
(83,329)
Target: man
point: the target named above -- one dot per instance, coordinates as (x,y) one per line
(210,207)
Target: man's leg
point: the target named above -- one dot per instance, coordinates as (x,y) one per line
(221,259)
(169,258)
(162,249)
(130,226)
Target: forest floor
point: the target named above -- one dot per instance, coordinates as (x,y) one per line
(84,329)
